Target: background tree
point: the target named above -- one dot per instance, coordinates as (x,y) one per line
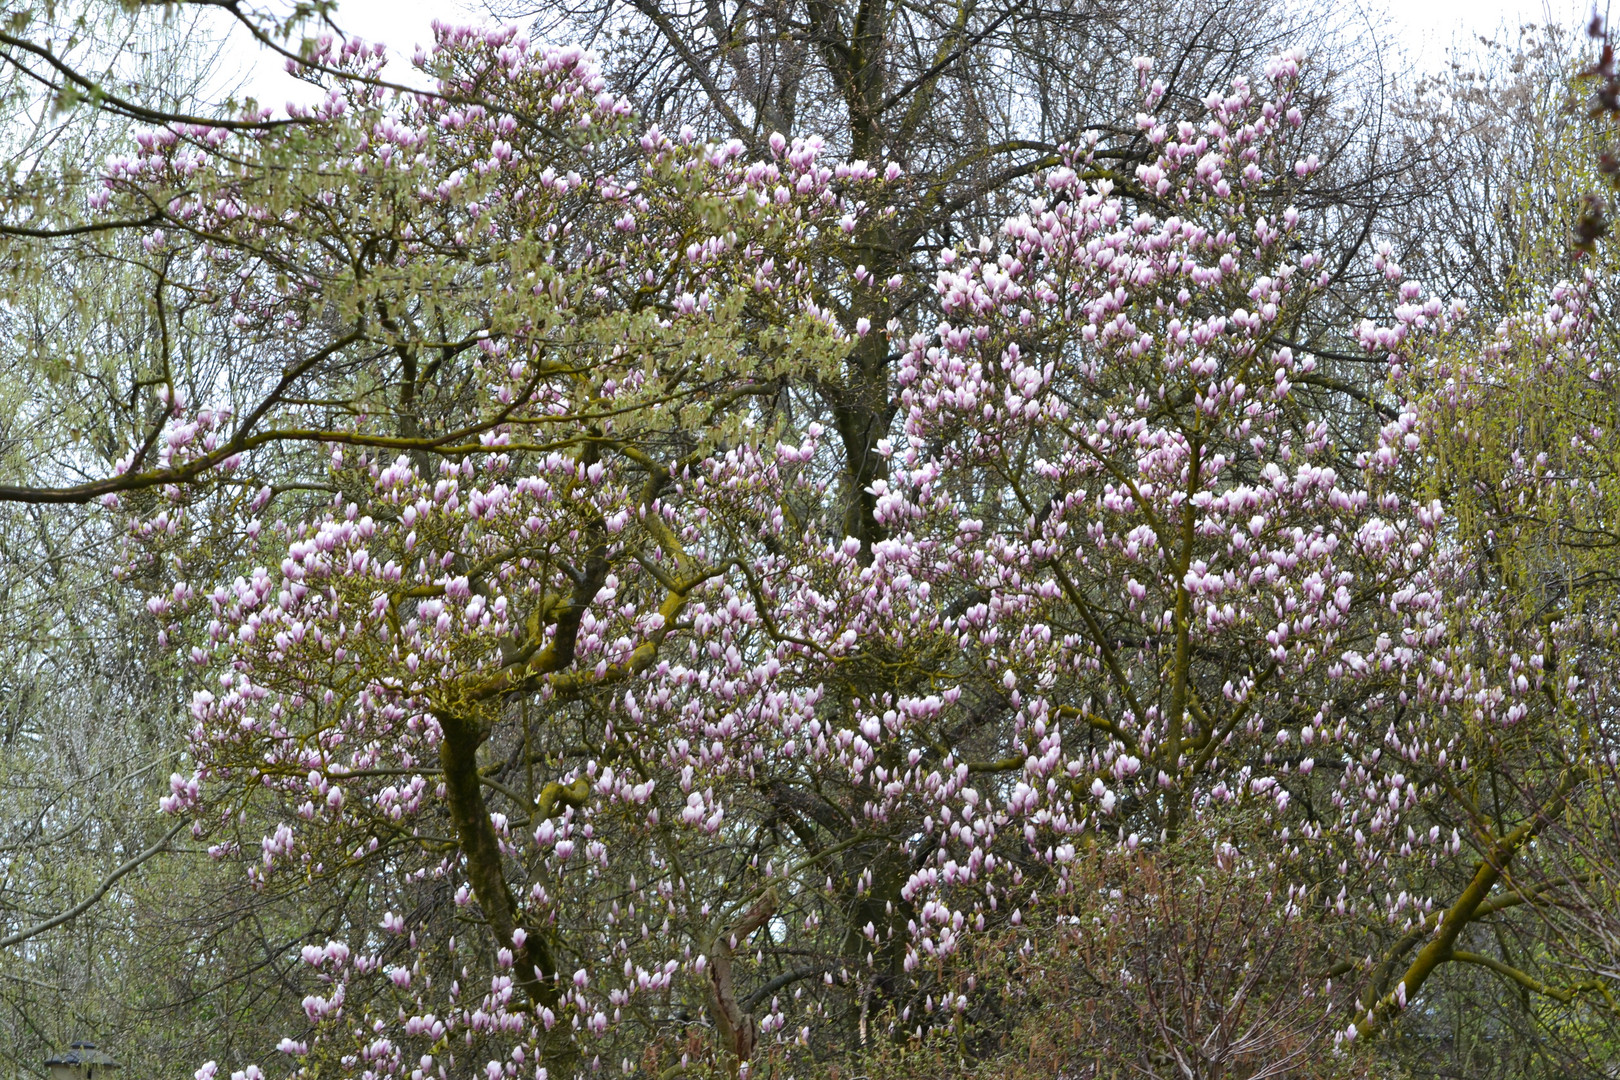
(90,724)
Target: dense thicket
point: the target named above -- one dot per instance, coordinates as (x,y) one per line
(842,538)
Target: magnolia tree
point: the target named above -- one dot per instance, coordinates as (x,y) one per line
(642,764)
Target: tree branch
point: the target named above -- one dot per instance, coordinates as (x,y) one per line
(90,901)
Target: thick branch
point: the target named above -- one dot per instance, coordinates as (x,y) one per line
(738,1030)
(1466,908)
(1530,982)
(480,847)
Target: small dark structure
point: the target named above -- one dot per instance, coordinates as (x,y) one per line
(81,1062)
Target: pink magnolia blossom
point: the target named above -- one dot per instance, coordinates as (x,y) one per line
(1128,585)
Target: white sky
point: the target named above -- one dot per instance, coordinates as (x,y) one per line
(1429,26)
(1425,29)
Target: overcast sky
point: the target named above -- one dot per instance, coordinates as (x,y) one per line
(1426,29)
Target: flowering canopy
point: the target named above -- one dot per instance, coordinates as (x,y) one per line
(575,676)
